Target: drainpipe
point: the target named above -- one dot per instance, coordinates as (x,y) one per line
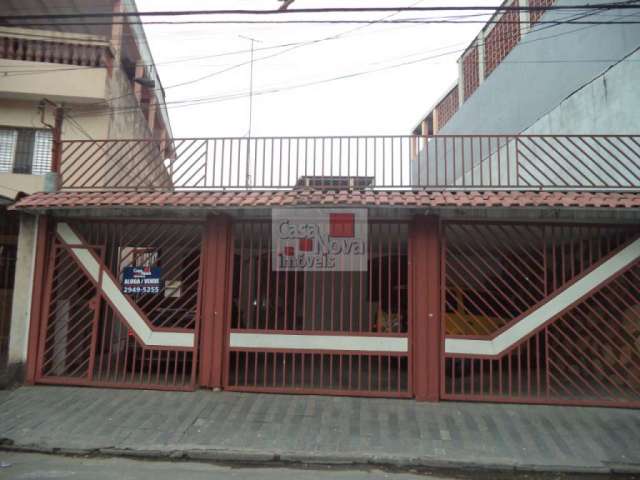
(52,179)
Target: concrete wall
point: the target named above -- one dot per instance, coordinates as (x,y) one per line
(610,103)
(536,75)
(11,184)
(605,101)
(26,114)
(126,120)
(67,83)
(21,311)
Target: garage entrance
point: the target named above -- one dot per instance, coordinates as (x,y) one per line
(337,332)
(541,313)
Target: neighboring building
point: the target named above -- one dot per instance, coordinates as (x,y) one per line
(512,75)
(58,82)
(498,267)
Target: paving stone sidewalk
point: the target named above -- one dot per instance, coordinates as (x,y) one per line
(334,430)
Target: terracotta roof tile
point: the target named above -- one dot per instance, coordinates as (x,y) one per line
(330,198)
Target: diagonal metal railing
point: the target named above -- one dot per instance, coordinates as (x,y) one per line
(452,162)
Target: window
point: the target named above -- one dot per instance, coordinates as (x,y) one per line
(25,150)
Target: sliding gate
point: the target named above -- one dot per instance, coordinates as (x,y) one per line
(320,332)
(541,313)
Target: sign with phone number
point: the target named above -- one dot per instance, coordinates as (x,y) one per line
(145,280)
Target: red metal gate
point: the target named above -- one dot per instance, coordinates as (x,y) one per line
(319,332)
(541,313)
(92,333)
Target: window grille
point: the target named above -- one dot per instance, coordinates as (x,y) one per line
(8,140)
(25,150)
(42,148)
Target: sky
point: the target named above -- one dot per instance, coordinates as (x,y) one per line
(391,100)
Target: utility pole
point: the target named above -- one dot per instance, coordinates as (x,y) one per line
(253,41)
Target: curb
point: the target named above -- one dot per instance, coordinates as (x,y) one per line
(249,457)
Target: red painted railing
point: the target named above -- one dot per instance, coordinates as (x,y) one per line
(462,162)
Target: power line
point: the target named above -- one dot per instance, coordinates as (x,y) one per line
(293,47)
(186,59)
(34,71)
(297,44)
(239,95)
(440,8)
(537,29)
(271,90)
(415,21)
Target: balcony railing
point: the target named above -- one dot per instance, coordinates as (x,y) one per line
(488,162)
(64,51)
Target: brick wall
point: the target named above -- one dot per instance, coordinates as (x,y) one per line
(447,107)
(470,71)
(537,14)
(501,39)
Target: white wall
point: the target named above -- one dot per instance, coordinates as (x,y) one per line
(21,310)
(608,104)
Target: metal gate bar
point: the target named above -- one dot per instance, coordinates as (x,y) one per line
(497,274)
(102,347)
(322,314)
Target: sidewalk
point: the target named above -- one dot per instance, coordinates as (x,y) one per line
(230,427)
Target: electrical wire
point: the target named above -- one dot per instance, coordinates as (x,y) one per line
(437,8)
(233,67)
(233,96)
(240,95)
(414,21)
(253,61)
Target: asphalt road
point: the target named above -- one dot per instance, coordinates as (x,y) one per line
(35,467)
(28,466)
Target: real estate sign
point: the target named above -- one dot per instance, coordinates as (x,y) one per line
(308,239)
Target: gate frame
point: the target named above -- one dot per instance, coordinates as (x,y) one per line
(40,274)
(506,399)
(215,300)
(425,265)
(45,244)
(411,380)
(44,321)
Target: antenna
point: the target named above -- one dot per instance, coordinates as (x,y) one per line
(252,40)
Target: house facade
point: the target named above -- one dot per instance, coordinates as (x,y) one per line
(489,267)
(59,83)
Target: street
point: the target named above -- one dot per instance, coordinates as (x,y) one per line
(18,466)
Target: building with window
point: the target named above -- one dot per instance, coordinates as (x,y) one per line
(67,82)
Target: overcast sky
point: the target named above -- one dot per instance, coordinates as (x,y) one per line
(390,101)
